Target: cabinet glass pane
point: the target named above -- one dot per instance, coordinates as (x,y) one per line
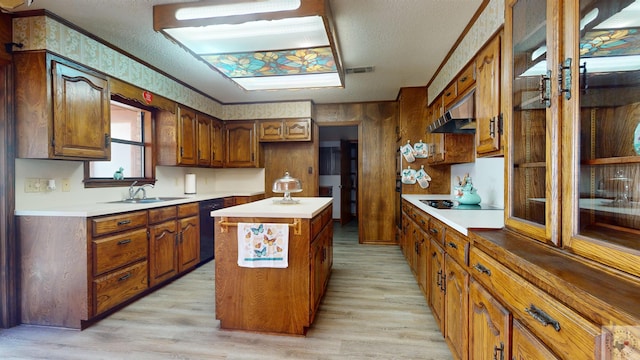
(529,113)
(609,94)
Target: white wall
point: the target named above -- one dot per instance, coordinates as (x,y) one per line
(487,175)
(170,182)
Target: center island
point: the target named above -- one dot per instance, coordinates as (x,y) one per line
(282,296)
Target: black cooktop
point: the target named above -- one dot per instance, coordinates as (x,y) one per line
(449,204)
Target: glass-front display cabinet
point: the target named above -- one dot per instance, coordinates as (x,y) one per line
(572,116)
(532,118)
(600,84)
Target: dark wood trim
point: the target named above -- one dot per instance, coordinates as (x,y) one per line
(9,298)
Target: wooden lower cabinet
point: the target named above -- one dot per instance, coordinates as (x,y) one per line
(436,285)
(456,287)
(274,300)
(75,270)
(525,345)
(489,325)
(174,241)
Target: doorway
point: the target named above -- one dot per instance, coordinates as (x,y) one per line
(338,165)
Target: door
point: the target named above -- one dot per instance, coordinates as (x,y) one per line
(345,182)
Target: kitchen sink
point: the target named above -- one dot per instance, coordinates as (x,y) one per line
(145,200)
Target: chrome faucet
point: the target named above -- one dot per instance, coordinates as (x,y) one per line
(133,193)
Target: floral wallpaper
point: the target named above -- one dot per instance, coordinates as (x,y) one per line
(45,33)
(491,19)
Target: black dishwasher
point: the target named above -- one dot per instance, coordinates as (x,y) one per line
(206,228)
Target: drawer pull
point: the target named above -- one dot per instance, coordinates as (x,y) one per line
(452,245)
(482,269)
(124,277)
(124,222)
(433,231)
(542,317)
(124,242)
(439,281)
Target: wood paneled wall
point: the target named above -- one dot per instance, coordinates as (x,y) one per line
(9,309)
(300,159)
(377,123)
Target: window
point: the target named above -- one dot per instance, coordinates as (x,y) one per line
(131,148)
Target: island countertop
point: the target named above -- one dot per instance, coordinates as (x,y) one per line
(307,208)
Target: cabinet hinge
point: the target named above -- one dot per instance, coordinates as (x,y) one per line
(107,140)
(181,151)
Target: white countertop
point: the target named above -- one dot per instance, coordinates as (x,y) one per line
(307,208)
(107,207)
(460,220)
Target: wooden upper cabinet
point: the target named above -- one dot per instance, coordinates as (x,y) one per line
(204,140)
(187,136)
(285,130)
(62,109)
(601,142)
(217,143)
(488,114)
(241,144)
(532,188)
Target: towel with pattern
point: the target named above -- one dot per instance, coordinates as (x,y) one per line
(263,245)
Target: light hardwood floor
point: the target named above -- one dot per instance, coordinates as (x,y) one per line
(373,309)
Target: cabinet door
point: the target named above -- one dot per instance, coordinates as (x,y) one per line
(456,308)
(297,129)
(189,243)
(163,257)
(204,140)
(187,141)
(488,99)
(602,202)
(436,284)
(81,114)
(271,130)
(241,146)
(489,324)
(531,119)
(525,346)
(217,143)
(422,261)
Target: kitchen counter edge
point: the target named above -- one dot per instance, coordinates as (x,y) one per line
(460,220)
(307,208)
(107,208)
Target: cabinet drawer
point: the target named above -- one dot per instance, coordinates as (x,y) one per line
(116,223)
(449,95)
(159,215)
(436,231)
(457,246)
(561,329)
(189,209)
(115,251)
(318,222)
(113,289)
(467,78)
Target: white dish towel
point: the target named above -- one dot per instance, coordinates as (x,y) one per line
(263,245)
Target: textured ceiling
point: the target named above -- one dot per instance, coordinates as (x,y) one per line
(405,40)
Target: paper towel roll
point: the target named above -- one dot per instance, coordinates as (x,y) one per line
(189,183)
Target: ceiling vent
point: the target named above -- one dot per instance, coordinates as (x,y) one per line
(360,70)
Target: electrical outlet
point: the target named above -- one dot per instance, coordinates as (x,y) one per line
(42,185)
(66,186)
(31,185)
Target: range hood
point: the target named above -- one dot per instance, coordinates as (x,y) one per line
(458,119)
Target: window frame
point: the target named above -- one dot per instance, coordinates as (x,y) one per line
(149,135)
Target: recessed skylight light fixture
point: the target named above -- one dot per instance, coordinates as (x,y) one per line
(260,44)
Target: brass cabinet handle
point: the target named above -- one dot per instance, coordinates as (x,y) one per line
(482,269)
(542,317)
